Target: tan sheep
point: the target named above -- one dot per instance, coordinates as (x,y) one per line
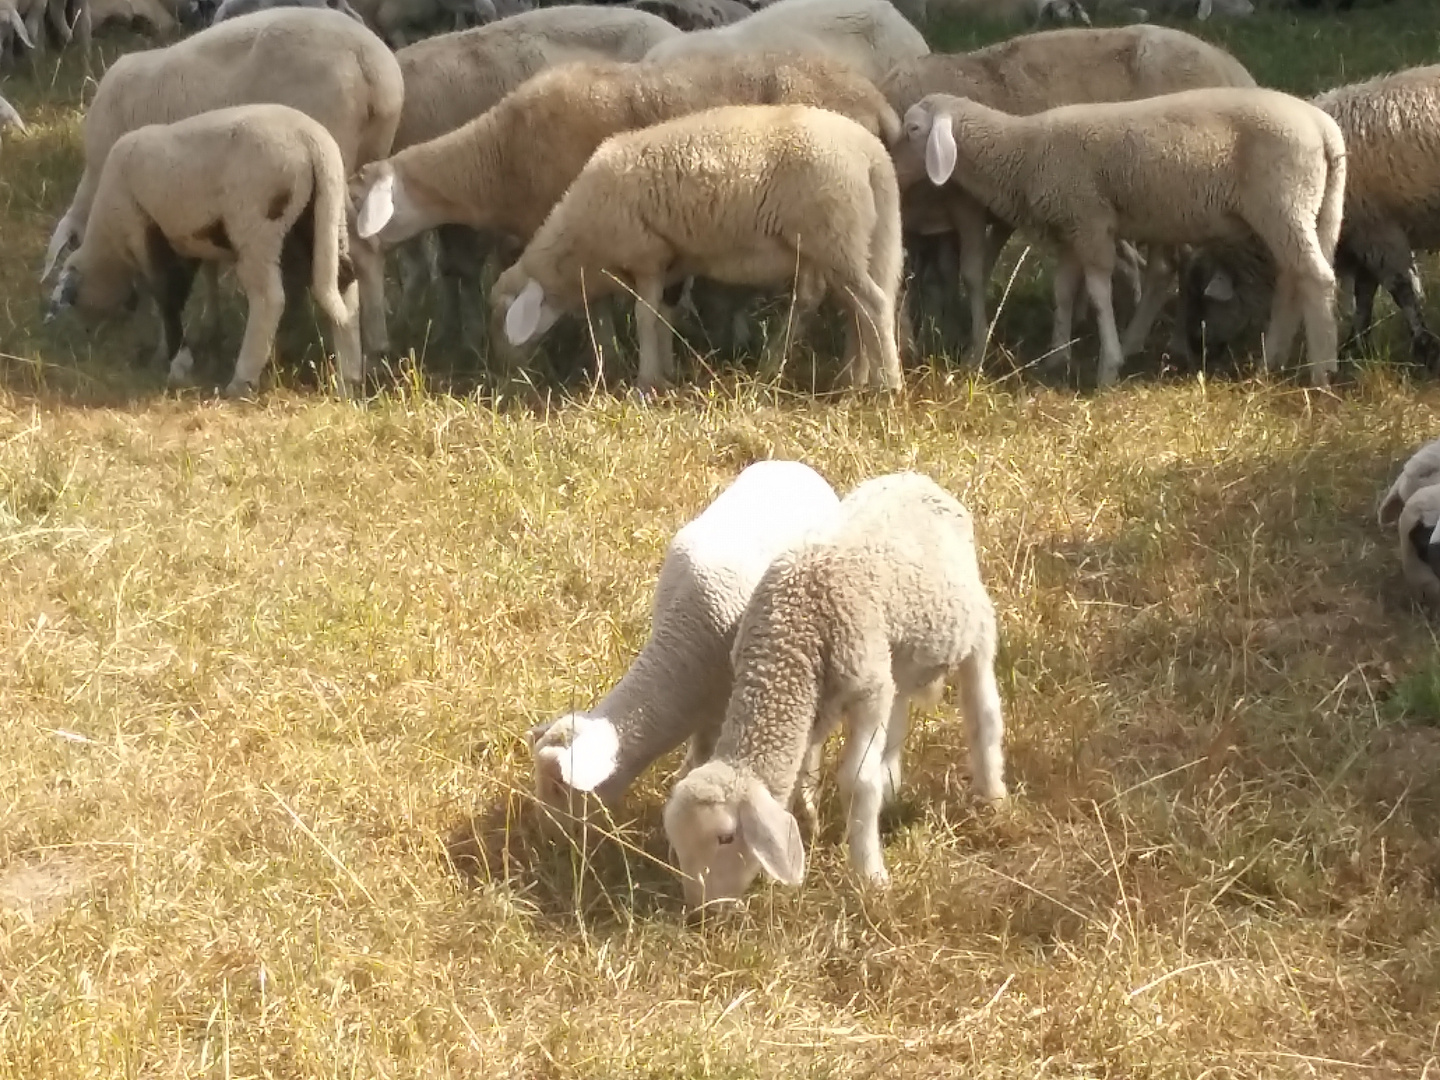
(313,59)
(240,184)
(1032,73)
(748,194)
(1200,165)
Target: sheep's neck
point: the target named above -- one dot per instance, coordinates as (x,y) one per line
(987,163)
(462,176)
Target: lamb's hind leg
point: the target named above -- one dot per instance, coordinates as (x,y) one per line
(265,293)
(862,781)
(341,305)
(984,723)
(872,334)
(1154,289)
(1068,275)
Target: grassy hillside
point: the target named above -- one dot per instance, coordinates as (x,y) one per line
(265,671)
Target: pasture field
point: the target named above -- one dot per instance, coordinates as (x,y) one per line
(265,670)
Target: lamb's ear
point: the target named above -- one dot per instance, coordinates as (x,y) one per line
(377,206)
(64,234)
(523,318)
(772,834)
(1220,287)
(1391,507)
(19,25)
(940,151)
(65,292)
(590,758)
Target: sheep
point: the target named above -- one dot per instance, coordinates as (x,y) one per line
(678,685)
(242,182)
(1199,10)
(1029,74)
(1174,169)
(749,194)
(487,176)
(1412,505)
(848,627)
(453,78)
(161,19)
(694,14)
(1029,12)
(1391,126)
(315,60)
(398,21)
(231,9)
(871,34)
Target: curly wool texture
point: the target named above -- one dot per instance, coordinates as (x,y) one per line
(680,682)
(490,173)
(872,35)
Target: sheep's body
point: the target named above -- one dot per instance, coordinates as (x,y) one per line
(1391,126)
(678,685)
(317,61)
(1412,505)
(233,9)
(232,183)
(1182,168)
(694,14)
(747,194)
(885,608)
(871,34)
(1030,74)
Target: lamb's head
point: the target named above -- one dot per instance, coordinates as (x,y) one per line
(724,828)
(527,309)
(1419,525)
(928,135)
(383,208)
(92,287)
(573,753)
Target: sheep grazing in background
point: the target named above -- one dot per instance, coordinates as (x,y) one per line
(748,194)
(871,34)
(315,60)
(237,184)
(846,628)
(1391,126)
(1191,167)
(1029,74)
(678,685)
(232,9)
(1412,506)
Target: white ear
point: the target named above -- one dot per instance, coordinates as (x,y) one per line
(590,758)
(772,835)
(378,205)
(1220,288)
(20,30)
(940,150)
(523,318)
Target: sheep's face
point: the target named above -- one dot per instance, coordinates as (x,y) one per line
(92,290)
(574,754)
(724,829)
(929,137)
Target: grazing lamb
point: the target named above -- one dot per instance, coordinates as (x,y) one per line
(315,60)
(1412,505)
(747,194)
(239,183)
(1391,126)
(1029,74)
(871,34)
(847,628)
(678,685)
(232,9)
(1179,168)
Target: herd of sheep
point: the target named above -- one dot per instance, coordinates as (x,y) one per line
(607,154)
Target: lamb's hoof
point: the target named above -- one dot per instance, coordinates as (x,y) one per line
(236,390)
(878,879)
(1425,348)
(649,393)
(182,370)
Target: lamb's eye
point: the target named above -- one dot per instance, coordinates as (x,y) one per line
(725,838)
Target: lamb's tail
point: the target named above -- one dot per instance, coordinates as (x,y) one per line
(887,254)
(1332,207)
(330,260)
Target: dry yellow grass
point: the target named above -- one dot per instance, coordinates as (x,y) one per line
(265,672)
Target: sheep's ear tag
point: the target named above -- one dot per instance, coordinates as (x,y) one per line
(590,758)
(772,835)
(378,206)
(940,152)
(1220,288)
(523,318)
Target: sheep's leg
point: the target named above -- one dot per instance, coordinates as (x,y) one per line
(1068,275)
(657,357)
(1284,320)
(342,312)
(1098,284)
(265,292)
(872,334)
(1409,296)
(176,277)
(970,223)
(807,787)
(984,723)
(369,263)
(862,781)
(1317,304)
(1366,286)
(1154,289)
(895,733)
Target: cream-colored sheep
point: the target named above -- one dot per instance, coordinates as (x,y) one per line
(747,194)
(1032,73)
(242,184)
(1181,168)
(847,628)
(871,34)
(315,60)
(1412,505)
(679,684)
(1391,126)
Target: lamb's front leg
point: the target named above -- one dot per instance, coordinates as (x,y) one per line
(1154,290)
(1068,275)
(807,786)
(1098,281)
(862,781)
(265,294)
(369,263)
(657,356)
(173,283)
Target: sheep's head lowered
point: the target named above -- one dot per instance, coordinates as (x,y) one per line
(93,287)
(573,754)
(725,827)
(528,310)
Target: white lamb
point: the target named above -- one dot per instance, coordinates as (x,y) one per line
(847,628)
(747,194)
(1412,505)
(678,685)
(1181,168)
(871,34)
(242,183)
